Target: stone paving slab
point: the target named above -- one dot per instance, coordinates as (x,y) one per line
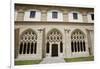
(52,60)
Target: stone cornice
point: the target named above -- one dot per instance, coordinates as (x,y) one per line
(51,22)
(19,4)
(64,9)
(46,8)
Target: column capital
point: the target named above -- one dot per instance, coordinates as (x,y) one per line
(89,29)
(40,30)
(67,30)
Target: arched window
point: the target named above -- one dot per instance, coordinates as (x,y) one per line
(28,42)
(75,16)
(54,15)
(32,15)
(78,41)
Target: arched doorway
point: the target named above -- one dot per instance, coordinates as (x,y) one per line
(54,46)
(28,42)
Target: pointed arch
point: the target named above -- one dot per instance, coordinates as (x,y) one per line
(29,40)
(54,29)
(54,35)
(28,31)
(78,37)
(78,30)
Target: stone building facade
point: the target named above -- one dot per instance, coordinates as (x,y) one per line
(47,31)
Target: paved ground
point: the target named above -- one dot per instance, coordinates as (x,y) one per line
(52,60)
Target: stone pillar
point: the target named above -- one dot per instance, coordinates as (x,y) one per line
(16,44)
(50,54)
(87,43)
(59,49)
(91,41)
(43,15)
(20,15)
(65,16)
(85,19)
(67,43)
(64,44)
(43,44)
(39,44)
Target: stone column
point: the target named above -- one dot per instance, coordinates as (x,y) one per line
(43,44)
(91,41)
(59,49)
(67,43)
(50,54)
(16,47)
(39,43)
(87,42)
(64,44)
(43,15)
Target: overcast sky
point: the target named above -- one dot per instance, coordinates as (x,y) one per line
(81,3)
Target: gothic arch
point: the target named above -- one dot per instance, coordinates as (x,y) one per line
(54,33)
(78,41)
(54,29)
(28,42)
(78,30)
(28,30)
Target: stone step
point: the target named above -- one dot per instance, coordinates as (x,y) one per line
(52,60)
